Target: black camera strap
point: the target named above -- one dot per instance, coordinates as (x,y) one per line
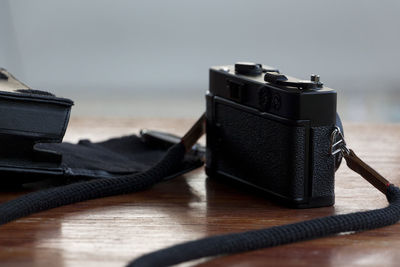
(275,236)
(222,244)
(290,233)
(81,191)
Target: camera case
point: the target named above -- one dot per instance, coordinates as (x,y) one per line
(272,132)
(32,126)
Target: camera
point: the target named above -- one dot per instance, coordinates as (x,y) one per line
(272,132)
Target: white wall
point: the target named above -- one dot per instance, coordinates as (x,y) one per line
(156,49)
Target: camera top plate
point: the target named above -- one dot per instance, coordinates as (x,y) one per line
(268,90)
(262,73)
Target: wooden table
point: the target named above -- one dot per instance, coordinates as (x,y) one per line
(114,230)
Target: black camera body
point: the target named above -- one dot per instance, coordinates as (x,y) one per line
(272,132)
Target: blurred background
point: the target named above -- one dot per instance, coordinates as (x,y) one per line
(151,58)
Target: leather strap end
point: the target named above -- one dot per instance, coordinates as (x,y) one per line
(368,173)
(194,134)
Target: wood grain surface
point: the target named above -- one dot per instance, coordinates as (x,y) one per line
(114,230)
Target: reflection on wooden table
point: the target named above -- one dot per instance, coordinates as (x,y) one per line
(114,230)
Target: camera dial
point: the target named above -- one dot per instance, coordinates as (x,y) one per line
(248,68)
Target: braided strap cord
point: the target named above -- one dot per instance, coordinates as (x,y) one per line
(77,192)
(212,246)
(275,236)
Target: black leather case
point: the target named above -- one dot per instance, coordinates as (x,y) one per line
(29,117)
(32,126)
